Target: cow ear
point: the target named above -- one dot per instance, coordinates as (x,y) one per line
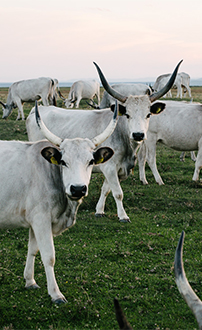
(121,109)
(101,155)
(52,155)
(157,107)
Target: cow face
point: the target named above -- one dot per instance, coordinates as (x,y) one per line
(7,109)
(77,158)
(138,110)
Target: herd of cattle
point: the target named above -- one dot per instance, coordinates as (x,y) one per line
(79,142)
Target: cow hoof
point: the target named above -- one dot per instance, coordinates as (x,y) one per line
(60,301)
(99,215)
(34,286)
(125,220)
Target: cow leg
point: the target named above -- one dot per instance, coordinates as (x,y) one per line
(141,163)
(45,100)
(151,159)
(20,110)
(29,268)
(44,238)
(112,183)
(77,102)
(198,163)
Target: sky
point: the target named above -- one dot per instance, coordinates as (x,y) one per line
(128,39)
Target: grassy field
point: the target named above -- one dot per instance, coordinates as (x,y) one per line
(99,258)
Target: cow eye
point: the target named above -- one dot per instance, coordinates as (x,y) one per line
(92,162)
(149,114)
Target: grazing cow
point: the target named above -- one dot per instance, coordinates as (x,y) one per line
(192,300)
(178,127)
(27,91)
(125,89)
(82,90)
(182,81)
(42,188)
(131,130)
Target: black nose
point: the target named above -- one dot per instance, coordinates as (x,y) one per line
(78,191)
(138,136)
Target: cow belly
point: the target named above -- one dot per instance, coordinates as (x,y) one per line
(9,221)
(180,144)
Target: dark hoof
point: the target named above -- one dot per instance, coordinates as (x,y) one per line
(60,301)
(34,286)
(125,220)
(99,215)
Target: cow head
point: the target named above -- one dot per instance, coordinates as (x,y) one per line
(76,156)
(7,109)
(138,109)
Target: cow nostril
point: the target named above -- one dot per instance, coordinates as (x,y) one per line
(78,191)
(138,136)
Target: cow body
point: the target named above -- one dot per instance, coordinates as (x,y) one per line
(42,187)
(178,127)
(28,91)
(126,89)
(182,81)
(82,90)
(88,123)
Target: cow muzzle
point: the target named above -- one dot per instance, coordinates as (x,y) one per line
(138,137)
(77,192)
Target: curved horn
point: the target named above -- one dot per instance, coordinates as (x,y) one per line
(108,88)
(61,96)
(120,316)
(4,105)
(194,303)
(94,105)
(167,87)
(47,134)
(109,129)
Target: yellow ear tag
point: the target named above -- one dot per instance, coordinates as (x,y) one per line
(53,160)
(100,160)
(120,114)
(158,110)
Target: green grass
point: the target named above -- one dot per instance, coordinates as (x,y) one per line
(99,258)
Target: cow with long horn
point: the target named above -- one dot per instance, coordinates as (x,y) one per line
(192,300)
(131,130)
(43,189)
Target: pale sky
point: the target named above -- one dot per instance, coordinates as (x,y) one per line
(128,39)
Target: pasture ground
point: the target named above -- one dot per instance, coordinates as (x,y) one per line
(99,258)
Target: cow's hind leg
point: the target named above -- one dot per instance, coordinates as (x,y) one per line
(29,268)
(43,234)
(20,110)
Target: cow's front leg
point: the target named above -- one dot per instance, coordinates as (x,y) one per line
(29,268)
(112,183)
(141,163)
(43,233)
(198,163)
